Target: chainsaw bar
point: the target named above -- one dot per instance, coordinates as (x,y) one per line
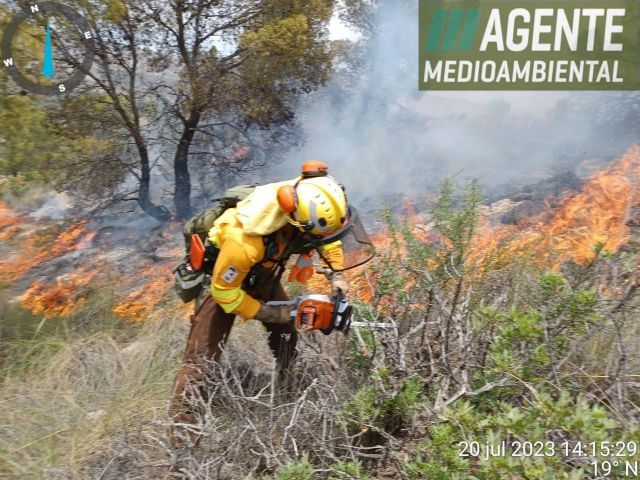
(372,325)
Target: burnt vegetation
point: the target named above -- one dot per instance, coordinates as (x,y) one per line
(481,351)
(487,345)
(513,319)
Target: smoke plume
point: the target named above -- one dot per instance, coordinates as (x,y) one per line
(385,139)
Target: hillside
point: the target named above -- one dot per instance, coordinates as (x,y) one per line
(515,322)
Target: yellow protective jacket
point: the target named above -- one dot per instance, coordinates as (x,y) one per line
(238,234)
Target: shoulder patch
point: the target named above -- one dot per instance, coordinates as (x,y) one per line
(230,274)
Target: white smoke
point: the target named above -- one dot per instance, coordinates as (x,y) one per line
(384,139)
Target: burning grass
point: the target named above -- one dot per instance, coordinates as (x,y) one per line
(592,219)
(35,250)
(59,299)
(9,222)
(482,349)
(157,282)
(139,292)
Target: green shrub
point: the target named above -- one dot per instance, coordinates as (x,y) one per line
(438,458)
(542,418)
(348,470)
(299,470)
(398,409)
(372,408)
(518,347)
(362,409)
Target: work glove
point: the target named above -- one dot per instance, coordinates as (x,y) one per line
(274,314)
(338,282)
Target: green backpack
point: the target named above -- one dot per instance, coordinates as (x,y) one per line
(202,222)
(189,283)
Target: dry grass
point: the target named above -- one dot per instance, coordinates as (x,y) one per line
(251,421)
(75,391)
(91,402)
(88,401)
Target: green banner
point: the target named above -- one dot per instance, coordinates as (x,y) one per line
(529,45)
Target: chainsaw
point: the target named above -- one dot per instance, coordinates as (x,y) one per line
(321,312)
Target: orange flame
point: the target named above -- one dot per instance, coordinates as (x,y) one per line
(156,283)
(594,216)
(9,222)
(59,299)
(33,251)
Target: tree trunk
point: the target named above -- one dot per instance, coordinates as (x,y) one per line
(182,191)
(144,190)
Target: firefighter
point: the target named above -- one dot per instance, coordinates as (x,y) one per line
(253,241)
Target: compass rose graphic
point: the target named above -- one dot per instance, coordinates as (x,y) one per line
(47,48)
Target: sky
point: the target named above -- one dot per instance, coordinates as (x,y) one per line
(527,103)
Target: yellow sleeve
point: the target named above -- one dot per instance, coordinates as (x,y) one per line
(333,254)
(235,260)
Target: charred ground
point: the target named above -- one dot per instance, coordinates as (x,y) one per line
(510,326)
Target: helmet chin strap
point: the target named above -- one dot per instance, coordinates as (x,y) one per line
(306,226)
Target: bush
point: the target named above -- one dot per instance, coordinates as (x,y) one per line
(348,470)
(382,408)
(438,458)
(299,470)
(484,351)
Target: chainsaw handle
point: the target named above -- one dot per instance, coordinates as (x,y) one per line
(338,297)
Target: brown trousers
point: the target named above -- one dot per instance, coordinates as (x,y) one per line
(210,328)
